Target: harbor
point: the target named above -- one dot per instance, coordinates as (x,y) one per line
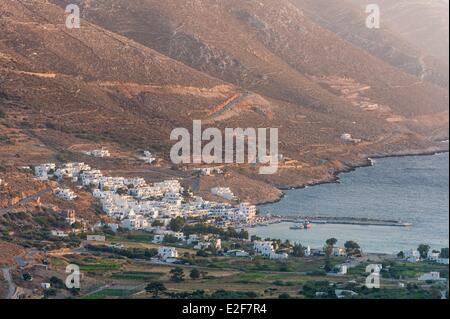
(307,222)
(342,221)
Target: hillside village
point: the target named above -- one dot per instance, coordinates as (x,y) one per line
(179,225)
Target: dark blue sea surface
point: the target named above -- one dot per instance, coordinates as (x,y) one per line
(413,189)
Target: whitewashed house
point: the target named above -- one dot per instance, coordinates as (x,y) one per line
(98,153)
(45,285)
(148,157)
(224,192)
(412,255)
(431,276)
(192,239)
(42,171)
(146,192)
(172,198)
(171,185)
(348,138)
(247,212)
(264,248)
(237,253)
(167,254)
(433,255)
(65,194)
(307,251)
(338,251)
(59,233)
(342,270)
(137,222)
(71,170)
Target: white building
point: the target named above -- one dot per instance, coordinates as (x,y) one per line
(65,194)
(208,171)
(161,234)
(148,157)
(443,261)
(433,255)
(224,192)
(338,251)
(70,216)
(342,270)
(247,212)
(167,254)
(412,255)
(45,285)
(172,198)
(71,170)
(98,153)
(431,276)
(237,253)
(192,239)
(146,192)
(136,222)
(42,171)
(171,185)
(346,137)
(264,248)
(307,251)
(59,233)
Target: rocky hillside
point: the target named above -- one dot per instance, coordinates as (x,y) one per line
(137,69)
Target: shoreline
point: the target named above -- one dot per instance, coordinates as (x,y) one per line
(368,163)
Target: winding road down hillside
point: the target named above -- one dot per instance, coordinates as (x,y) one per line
(25,201)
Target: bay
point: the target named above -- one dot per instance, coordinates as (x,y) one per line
(412,189)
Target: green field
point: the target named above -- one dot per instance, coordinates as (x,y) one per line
(108,293)
(137,275)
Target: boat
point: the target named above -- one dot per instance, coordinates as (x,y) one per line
(307,224)
(299,226)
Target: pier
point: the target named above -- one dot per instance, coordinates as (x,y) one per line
(342,220)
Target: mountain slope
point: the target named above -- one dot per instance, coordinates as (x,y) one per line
(346,18)
(137,69)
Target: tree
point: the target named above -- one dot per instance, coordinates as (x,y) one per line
(157,223)
(328,250)
(243,234)
(401,255)
(170,239)
(56,282)
(328,266)
(155,288)
(122,191)
(331,242)
(177,223)
(298,250)
(177,274)
(284,295)
(423,249)
(195,274)
(255,238)
(352,248)
(202,253)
